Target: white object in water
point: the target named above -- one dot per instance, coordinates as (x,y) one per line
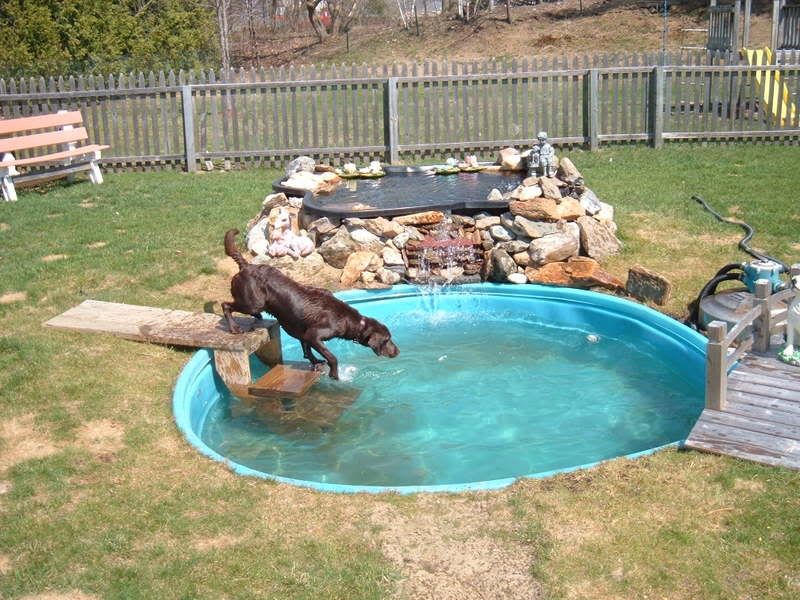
(592,338)
(348,373)
(442,357)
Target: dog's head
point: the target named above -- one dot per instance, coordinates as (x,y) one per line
(376,336)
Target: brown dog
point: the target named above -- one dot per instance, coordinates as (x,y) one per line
(310,314)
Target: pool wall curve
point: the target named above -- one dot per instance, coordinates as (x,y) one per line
(197,386)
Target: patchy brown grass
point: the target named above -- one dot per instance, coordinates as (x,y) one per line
(21,440)
(11,297)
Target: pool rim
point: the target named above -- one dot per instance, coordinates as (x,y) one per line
(203,358)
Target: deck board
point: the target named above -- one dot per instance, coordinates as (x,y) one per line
(761,418)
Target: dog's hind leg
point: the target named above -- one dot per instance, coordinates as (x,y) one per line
(333,364)
(309,355)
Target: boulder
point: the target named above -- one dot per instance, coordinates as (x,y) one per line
(368,278)
(274,201)
(364,237)
(391,256)
(431,217)
(549,188)
(567,171)
(355,265)
(510,159)
(605,214)
(309,270)
(462,221)
(487,222)
(301,163)
(547,209)
(556,246)
(523,259)
(535,229)
(387,276)
(507,220)
(597,240)
(499,266)
(515,246)
(589,202)
(579,272)
(648,286)
(500,233)
(517,278)
(337,248)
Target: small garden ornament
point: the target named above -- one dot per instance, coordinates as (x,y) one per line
(790,353)
(542,159)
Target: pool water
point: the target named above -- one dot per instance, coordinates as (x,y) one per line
(487,386)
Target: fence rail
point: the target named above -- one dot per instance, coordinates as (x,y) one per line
(406,112)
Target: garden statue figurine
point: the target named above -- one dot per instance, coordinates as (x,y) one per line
(791,353)
(542,159)
(282,240)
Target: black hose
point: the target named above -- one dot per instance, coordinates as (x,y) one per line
(744,242)
(694,314)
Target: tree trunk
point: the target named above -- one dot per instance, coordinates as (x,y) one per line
(222,7)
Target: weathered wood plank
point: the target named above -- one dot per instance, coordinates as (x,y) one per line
(163,326)
(764,378)
(765,414)
(737,383)
(781,430)
(763,401)
(285,380)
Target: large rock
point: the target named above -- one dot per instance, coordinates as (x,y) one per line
(549,188)
(535,229)
(556,246)
(515,246)
(364,237)
(510,159)
(431,217)
(301,163)
(500,233)
(499,266)
(547,209)
(648,286)
(567,171)
(388,276)
(487,222)
(589,201)
(391,256)
(355,265)
(579,272)
(597,240)
(336,249)
(303,180)
(309,270)
(321,229)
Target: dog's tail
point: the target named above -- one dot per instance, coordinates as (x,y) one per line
(231,249)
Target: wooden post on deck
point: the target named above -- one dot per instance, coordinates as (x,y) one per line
(716,366)
(763,323)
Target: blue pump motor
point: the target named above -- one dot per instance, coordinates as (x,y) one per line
(762,269)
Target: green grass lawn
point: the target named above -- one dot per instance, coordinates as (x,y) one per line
(101,496)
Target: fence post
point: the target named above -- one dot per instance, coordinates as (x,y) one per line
(776,17)
(763,322)
(716,366)
(390,124)
(591,108)
(657,80)
(188,128)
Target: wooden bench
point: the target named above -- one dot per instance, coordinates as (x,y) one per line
(51,146)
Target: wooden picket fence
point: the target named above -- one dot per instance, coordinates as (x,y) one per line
(407,112)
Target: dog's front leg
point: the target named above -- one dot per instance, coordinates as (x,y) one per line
(333,364)
(227,309)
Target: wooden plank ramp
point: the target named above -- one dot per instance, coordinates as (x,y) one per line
(200,330)
(761,418)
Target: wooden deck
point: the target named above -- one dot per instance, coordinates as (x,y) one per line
(760,420)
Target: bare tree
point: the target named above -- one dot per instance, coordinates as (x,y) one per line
(223,8)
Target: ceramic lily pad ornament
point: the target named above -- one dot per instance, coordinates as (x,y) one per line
(791,358)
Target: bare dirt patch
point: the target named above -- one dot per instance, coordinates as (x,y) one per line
(217,543)
(4,226)
(5,487)
(22,441)
(11,297)
(450,548)
(86,204)
(75,595)
(101,436)
(53,257)
(95,245)
(5,564)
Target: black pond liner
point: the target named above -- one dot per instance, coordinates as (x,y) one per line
(407,190)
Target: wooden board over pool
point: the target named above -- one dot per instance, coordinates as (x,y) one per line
(163,326)
(199,330)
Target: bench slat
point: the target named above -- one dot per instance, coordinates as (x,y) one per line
(37,140)
(55,156)
(10,126)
